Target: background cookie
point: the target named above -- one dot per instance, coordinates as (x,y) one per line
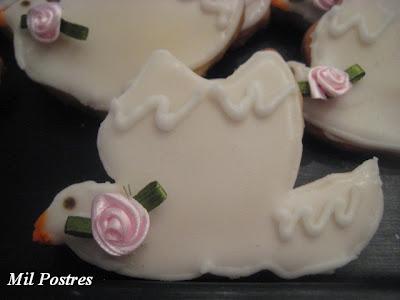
(96,70)
(365,117)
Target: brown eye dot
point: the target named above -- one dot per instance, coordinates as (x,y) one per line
(69,203)
(25,3)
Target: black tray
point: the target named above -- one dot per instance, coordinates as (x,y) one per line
(47,145)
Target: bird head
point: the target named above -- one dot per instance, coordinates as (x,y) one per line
(75,200)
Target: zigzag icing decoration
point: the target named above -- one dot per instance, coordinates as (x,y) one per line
(167,120)
(341,210)
(358,22)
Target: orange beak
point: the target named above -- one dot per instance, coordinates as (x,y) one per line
(39,234)
(281,4)
(3,22)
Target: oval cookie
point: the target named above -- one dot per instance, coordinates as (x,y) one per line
(121,37)
(367,34)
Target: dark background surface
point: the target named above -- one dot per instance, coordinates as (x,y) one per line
(47,145)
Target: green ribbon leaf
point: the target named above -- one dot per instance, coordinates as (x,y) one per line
(24,22)
(304,87)
(151,196)
(78,226)
(355,73)
(75,31)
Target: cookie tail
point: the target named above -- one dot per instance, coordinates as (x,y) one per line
(327,223)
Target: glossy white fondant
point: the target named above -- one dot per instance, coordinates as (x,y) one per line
(227,179)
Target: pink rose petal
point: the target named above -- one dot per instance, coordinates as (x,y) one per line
(44,22)
(328,82)
(119,224)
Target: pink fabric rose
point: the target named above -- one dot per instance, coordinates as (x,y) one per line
(328,82)
(119,224)
(326,4)
(44,22)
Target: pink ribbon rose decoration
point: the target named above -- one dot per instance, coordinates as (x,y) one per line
(326,4)
(44,22)
(328,82)
(119,224)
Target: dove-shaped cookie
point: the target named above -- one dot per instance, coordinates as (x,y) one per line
(227,151)
(121,36)
(364,33)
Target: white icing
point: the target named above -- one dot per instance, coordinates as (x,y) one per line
(300,70)
(122,36)
(367,116)
(6,3)
(337,29)
(224,179)
(166,120)
(288,258)
(222,8)
(255,11)
(342,210)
